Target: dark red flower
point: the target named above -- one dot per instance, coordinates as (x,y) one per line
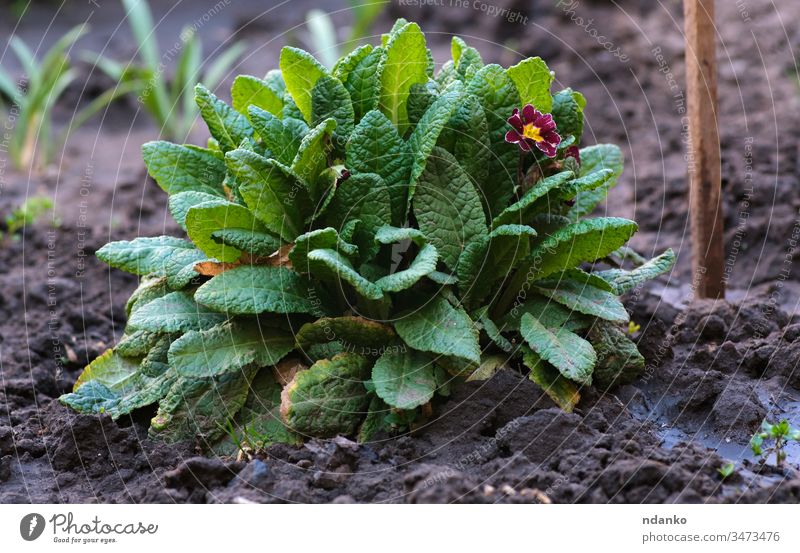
(533,128)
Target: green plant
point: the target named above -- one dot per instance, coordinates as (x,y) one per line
(322,36)
(35,95)
(32,210)
(169,103)
(778,435)
(362,239)
(726,470)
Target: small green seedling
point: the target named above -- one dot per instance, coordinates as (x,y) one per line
(773,438)
(361,239)
(169,102)
(33,96)
(31,211)
(726,470)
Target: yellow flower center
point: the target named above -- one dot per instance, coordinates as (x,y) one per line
(532,132)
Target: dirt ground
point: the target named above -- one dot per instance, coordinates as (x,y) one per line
(714,370)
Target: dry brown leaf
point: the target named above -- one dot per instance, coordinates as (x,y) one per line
(213,268)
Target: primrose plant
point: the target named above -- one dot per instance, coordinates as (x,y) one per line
(362,239)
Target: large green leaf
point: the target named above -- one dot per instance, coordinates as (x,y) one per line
(560,389)
(179,168)
(256,243)
(166,256)
(584,298)
(204,219)
(623,281)
(569,353)
(329,398)
(174,312)
(423,264)
(249,290)
(375,147)
(228,347)
(548,312)
(312,156)
(363,82)
(406,64)
(498,95)
(618,359)
(110,369)
(197,408)
(363,197)
(331,265)
(533,78)
(301,71)
(179,204)
(448,208)
(568,112)
(326,238)
(281,136)
(466,136)
(226,125)
(352,333)
(584,241)
(404,380)
(595,158)
(330,100)
(426,133)
(251,91)
(520,212)
(273,193)
(438,327)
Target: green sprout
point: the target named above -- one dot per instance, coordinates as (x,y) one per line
(726,470)
(779,435)
(170,104)
(34,96)
(31,211)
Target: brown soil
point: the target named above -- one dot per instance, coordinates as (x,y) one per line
(714,370)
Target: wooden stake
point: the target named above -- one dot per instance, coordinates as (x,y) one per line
(703,149)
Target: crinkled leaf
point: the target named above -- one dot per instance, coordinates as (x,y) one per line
(363,82)
(251,91)
(548,312)
(226,125)
(166,256)
(533,78)
(584,241)
(349,331)
(498,95)
(249,290)
(561,390)
(568,112)
(326,238)
(520,212)
(300,71)
(179,204)
(624,281)
(569,353)
(618,360)
(423,264)
(273,193)
(330,100)
(448,208)
(375,147)
(204,219)
(466,136)
(584,298)
(228,347)
(595,158)
(256,243)
(312,156)
(178,168)
(197,408)
(438,327)
(363,197)
(174,312)
(330,264)
(406,64)
(327,399)
(110,369)
(426,133)
(404,380)
(281,136)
